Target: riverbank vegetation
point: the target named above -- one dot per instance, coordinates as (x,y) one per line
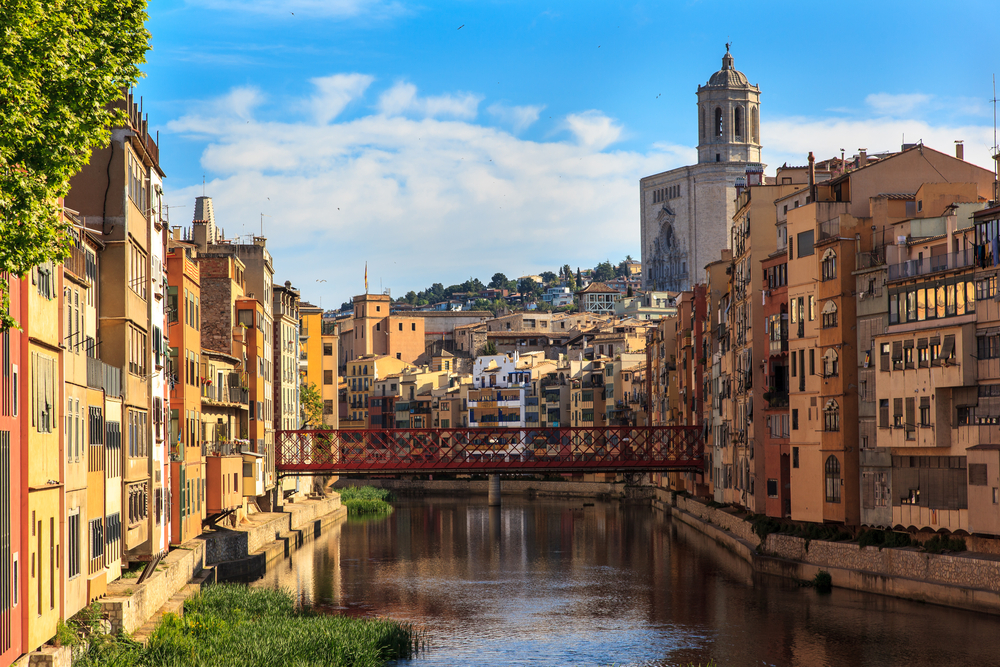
(366,500)
(239,626)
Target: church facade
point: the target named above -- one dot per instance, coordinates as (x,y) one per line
(686,213)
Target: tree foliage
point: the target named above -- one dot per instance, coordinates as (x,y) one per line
(498,281)
(62,64)
(603,271)
(311,402)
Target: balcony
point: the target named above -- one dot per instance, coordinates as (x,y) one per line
(926,265)
(102,376)
(868,260)
(829,229)
(780,345)
(776,399)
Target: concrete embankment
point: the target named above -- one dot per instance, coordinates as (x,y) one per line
(219,555)
(964,580)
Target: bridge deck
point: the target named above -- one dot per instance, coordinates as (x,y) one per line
(490,450)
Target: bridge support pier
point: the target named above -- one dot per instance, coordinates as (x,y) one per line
(494,490)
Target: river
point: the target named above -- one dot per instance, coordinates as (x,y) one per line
(580,583)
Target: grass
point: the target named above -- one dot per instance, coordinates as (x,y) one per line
(366,500)
(238,626)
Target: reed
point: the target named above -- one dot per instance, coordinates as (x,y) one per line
(258,627)
(366,500)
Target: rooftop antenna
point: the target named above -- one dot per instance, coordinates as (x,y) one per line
(203,185)
(996,151)
(262,224)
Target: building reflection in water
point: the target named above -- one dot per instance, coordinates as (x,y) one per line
(555,582)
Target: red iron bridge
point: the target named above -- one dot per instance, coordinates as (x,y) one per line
(490,450)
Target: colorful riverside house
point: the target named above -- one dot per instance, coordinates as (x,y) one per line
(13,489)
(115,196)
(184,332)
(41,399)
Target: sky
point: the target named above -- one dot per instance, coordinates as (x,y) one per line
(436,142)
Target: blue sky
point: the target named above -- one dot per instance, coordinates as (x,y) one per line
(443,141)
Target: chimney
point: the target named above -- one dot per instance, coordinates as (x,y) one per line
(862,157)
(812,177)
(960,149)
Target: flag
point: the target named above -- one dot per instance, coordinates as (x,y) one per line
(366,277)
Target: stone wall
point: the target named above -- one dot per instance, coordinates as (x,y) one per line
(966,580)
(722,517)
(128,605)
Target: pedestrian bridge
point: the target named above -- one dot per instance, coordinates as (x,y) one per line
(490,450)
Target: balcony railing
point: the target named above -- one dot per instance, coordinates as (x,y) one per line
(919,267)
(829,229)
(868,260)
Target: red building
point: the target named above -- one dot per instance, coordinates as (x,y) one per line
(13,474)
(776,416)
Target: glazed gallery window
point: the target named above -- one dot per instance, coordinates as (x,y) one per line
(832,480)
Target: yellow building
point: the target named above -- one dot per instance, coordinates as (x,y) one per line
(42,357)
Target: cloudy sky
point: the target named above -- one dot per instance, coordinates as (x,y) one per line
(449,140)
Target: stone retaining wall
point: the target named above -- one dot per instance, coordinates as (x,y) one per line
(965,580)
(129,605)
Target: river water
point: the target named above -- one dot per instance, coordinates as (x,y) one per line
(570,583)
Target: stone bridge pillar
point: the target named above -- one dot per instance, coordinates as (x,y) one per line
(494,490)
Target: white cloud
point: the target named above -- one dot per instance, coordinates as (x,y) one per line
(897,105)
(421,199)
(593,129)
(306,8)
(333,93)
(519,118)
(403,99)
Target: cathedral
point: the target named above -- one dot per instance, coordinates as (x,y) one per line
(686,213)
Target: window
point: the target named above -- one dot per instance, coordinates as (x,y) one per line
(897,413)
(812,361)
(43,392)
(883,413)
(738,122)
(832,480)
(795,420)
(884,356)
(805,241)
(925,410)
(908,353)
(772,488)
(73,543)
(829,315)
(831,416)
(911,418)
(327,377)
(327,349)
(718,125)
(812,307)
(923,353)
(828,267)
(137,270)
(795,457)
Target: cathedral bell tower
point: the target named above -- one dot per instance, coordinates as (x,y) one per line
(728,117)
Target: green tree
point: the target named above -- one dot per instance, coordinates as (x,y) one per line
(62,65)
(548,277)
(481,304)
(311,402)
(489,349)
(498,281)
(603,271)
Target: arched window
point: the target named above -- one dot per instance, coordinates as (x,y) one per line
(718,122)
(829,314)
(832,480)
(701,124)
(828,265)
(754,126)
(738,121)
(831,363)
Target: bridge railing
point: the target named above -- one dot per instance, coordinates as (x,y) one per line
(490,449)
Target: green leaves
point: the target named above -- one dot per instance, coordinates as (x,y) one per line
(63,63)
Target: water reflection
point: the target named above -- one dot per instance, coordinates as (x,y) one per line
(548,582)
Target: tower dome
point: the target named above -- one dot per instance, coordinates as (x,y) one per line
(728,116)
(728,76)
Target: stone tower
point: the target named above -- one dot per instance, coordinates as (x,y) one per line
(728,117)
(686,214)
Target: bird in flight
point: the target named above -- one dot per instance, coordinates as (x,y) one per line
(460,27)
